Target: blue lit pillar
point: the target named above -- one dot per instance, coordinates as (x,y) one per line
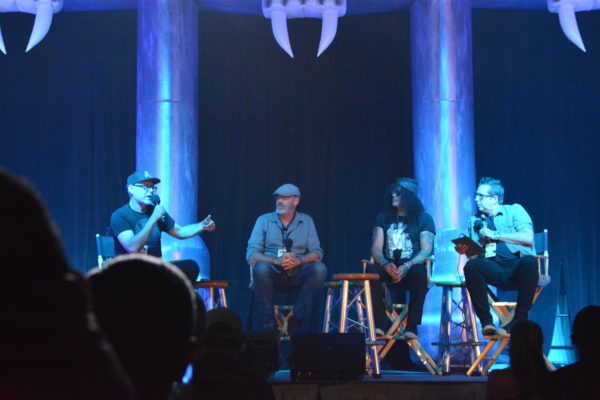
(167,114)
(442,82)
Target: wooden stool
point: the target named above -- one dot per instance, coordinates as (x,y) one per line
(502,341)
(282,315)
(221,297)
(468,337)
(396,332)
(356,291)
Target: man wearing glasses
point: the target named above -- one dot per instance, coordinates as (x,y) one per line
(505,231)
(137,226)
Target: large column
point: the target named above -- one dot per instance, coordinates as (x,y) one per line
(167,114)
(442,81)
(442,85)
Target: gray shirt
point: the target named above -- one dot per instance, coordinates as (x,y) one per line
(510,218)
(269,234)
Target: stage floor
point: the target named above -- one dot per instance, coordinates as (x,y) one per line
(392,385)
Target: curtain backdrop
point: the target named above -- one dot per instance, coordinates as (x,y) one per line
(338,126)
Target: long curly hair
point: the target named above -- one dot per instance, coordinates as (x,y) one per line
(410,203)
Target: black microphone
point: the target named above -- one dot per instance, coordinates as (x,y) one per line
(288,243)
(155,199)
(477,225)
(397,256)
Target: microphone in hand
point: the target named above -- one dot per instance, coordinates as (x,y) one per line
(155,200)
(397,256)
(478,226)
(288,243)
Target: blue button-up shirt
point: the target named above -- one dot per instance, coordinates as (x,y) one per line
(510,218)
(269,234)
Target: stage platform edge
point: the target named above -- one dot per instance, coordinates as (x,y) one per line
(391,385)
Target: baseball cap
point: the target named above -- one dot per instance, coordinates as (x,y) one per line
(287,190)
(140,176)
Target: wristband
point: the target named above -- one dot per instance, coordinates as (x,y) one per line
(496,235)
(301,260)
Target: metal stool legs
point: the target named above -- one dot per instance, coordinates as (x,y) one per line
(468,340)
(216,298)
(361,298)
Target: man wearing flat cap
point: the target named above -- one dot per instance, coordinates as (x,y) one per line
(137,226)
(284,250)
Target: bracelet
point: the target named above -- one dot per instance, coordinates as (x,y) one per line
(301,260)
(496,235)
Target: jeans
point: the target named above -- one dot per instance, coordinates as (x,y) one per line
(522,273)
(416,282)
(267,278)
(189,268)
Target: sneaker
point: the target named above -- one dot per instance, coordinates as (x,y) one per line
(491,330)
(410,335)
(380,333)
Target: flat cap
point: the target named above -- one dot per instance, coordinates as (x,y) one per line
(287,190)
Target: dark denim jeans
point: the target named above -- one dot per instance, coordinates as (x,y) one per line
(310,280)
(416,283)
(521,274)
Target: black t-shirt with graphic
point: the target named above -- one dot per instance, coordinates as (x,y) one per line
(396,235)
(127,219)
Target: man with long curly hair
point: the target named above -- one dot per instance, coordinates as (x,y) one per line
(402,241)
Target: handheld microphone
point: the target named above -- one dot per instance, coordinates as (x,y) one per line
(288,243)
(477,225)
(155,199)
(397,256)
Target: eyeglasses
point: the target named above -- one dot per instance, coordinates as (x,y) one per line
(147,188)
(482,196)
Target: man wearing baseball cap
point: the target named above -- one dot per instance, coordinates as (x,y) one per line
(138,225)
(284,250)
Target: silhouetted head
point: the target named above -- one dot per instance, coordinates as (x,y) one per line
(527,358)
(147,308)
(50,344)
(29,238)
(585,329)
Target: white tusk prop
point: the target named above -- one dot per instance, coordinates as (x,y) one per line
(2,47)
(568,23)
(280,31)
(41,26)
(328,29)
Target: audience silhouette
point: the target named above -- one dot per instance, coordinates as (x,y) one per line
(218,373)
(580,380)
(527,376)
(50,345)
(147,308)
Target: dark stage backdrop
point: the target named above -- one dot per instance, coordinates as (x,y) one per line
(338,126)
